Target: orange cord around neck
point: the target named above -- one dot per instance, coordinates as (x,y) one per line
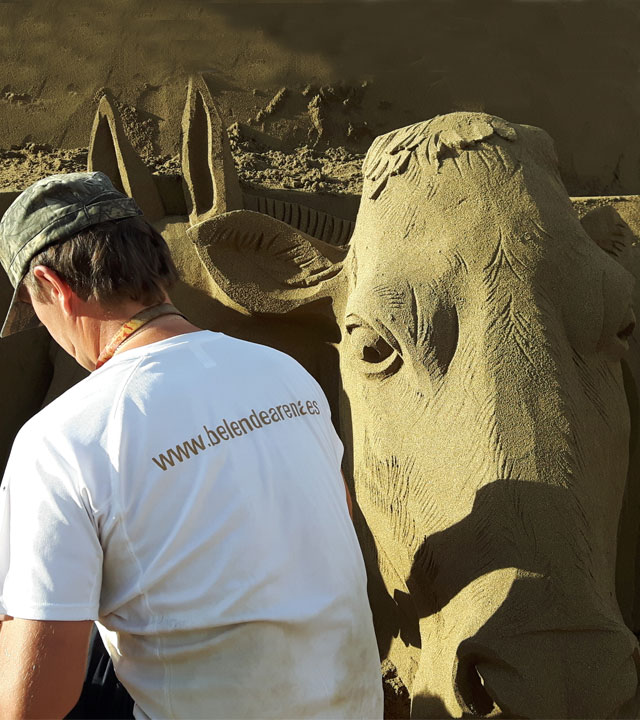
(133,325)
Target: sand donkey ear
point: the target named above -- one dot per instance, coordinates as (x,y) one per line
(208,171)
(266,266)
(111,152)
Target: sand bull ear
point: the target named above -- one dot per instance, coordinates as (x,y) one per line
(606,228)
(264,265)
(208,171)
(111,152)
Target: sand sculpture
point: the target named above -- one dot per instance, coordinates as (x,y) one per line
(469,340)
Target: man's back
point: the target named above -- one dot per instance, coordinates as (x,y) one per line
(210,531)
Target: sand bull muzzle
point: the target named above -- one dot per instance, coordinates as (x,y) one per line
(579,674)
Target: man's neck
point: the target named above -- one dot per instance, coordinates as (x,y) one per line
(162,328)
(156,329)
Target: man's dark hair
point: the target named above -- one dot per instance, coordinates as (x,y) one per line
(111,262)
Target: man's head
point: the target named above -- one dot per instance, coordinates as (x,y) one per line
(79,230)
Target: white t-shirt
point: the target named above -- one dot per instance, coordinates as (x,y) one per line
(188,496)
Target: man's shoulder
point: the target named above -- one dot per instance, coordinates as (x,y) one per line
(152,373)
(256,352)
(233,355)
(78,408)
(63,439)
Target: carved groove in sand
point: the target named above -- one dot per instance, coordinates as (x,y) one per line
(469,339)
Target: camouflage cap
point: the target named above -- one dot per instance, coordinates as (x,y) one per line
(48,212)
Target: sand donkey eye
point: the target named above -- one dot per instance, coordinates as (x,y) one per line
(376,353)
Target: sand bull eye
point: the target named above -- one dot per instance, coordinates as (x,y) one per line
(377,354)
(370,346)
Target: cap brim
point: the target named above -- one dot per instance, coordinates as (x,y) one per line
(19,317)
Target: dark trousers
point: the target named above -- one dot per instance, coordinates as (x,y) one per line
(103,696)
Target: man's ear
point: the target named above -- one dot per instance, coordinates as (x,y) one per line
(54,288)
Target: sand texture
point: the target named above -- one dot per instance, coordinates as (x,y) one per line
(333,181)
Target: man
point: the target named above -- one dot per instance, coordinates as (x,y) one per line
(186,495)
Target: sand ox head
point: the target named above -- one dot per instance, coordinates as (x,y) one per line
(482,409)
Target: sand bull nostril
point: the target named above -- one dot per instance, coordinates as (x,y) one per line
(628,325)
(627,331)
(470,690)
(636,661)
(630,708)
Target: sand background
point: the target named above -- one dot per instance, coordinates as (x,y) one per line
(325,75)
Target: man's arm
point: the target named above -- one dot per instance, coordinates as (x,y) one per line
(42,667)
(349,501)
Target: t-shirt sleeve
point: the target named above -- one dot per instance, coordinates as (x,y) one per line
(50,554)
